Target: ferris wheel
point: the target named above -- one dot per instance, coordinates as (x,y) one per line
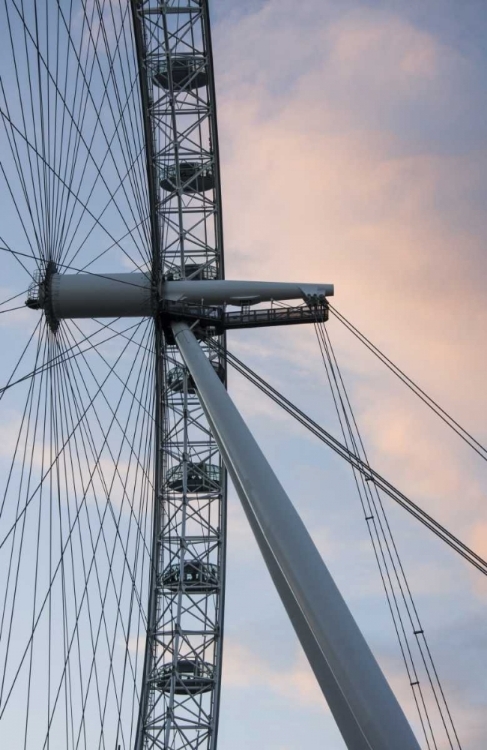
(118,430)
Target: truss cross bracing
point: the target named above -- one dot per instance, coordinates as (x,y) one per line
(180,695)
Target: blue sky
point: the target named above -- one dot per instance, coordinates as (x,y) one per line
(353,149)
(353,143)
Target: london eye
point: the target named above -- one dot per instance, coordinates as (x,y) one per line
(120,437)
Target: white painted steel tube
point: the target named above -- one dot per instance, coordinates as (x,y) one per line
(362,702)
(86,295)
(115,295)
(215,292)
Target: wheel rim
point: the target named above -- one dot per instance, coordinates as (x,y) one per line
(97,426)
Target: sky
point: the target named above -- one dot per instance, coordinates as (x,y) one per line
(353,151)
(353,147)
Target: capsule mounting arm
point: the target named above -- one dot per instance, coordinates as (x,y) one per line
(214,292)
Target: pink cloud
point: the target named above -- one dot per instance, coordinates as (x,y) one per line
(479,539)
(244,669)
(329,174)
(304,200)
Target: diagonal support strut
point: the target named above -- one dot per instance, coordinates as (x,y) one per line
(360,698)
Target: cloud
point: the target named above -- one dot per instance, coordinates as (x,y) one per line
(135,644)
(244,669)
(352,153)
(478,539)
(459,648)
(315,191)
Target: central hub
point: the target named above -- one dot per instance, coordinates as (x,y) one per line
(92,295)
(39,295)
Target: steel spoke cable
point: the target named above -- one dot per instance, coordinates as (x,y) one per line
(369,473)
(128,137)
(136,228)
(133,86)
(12,309)
(145,370)
(44,115)
(37,619)
(73,432)
(26,465)
(110,247)
(108,152)
(35,89)
(145,572)
(139,603)
(116,421)
(41,156)
(94,547)
(38,137)
(122,335)
(7,249)
(92,345)
(77,198)
(14,296)
(67,458)
(399,572)
(146,437)
(36,577)
(133,123)
(126,390)
(77,117)
(54,503)
(58,130)
(83,416)
(148,375)
(77,461)
(100,122)
(36,186)
(14,255)
(63,677)
(17,364)
(130,230)
(10,133)
(144,519)
(378,538)
(137,117)
(67,645)
(140,346)
(447,418)
(24,421)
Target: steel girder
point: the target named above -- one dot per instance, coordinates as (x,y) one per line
(182,674)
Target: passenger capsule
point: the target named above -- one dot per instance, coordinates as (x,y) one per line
(187,72)
(175,378)
(202,477)
(192,177)
(189,677)
(198,577)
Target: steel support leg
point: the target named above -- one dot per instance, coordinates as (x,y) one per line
(361,700)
